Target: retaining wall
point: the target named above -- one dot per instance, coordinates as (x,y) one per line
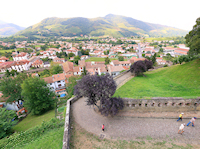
(161,107)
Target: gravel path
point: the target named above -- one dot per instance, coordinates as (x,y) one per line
(132,128)
(122,78)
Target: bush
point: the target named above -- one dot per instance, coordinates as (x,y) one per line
(20,139)
(61,109)
(165,65)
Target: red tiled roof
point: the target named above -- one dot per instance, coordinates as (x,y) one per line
(48,80)
(67,66)
(59,77)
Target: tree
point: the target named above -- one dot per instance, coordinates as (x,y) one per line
(121,58)
(55,68)
(161,50)
(139,67)
(76,59)
(72,81)
(107,60)
(84,71)
(154,58)
(112,106)
(37,95)
(193,39)
(71,55)
(11,87)
(45,73)
(6,122)
(148,63)
(99,88)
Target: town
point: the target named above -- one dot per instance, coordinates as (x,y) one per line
(75,57)
(63,62)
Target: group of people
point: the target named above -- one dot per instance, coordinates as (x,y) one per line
(180,128)
(183,125)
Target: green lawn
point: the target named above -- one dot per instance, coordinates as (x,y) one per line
(175,81)
(3,51)
(32,120)
(50,140)
(98,59)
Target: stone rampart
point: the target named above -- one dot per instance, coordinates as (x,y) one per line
(162,107)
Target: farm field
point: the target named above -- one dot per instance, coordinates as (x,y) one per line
(175,81)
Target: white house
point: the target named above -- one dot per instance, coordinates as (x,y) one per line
(4,59)
(21,65)
(84,57)
(21,56)
(56,83)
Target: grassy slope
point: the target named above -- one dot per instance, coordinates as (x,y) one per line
(51,140)
(175,81)
(32,120)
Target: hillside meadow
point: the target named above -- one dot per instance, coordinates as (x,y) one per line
(175,81)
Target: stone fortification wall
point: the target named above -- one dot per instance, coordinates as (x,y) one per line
(162,104)
(161,107)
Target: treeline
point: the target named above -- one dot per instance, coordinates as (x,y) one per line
(185,58)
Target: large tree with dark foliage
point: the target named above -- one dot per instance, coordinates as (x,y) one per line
(99,90)
(139,67)
(193,39)
(112,106)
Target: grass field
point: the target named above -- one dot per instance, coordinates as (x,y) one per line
(50,140)
(98,59)
(82,139)
(32,120)
(175,81)
(3,51)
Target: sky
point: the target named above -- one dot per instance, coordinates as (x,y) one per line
(181,14)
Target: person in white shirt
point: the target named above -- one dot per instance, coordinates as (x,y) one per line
(192,121)
(181,128)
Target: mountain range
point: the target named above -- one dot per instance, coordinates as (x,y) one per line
(7,29)
(110,25)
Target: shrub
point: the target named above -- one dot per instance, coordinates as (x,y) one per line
(165,65)
(20,139)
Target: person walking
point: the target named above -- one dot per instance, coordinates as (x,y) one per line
(181,128)
(180,117)
(102,128)
(192,121)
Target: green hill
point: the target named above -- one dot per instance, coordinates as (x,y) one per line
(175,81)
(7,29)
(110,25)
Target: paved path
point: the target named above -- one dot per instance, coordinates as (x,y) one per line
(122,78)
(132,128)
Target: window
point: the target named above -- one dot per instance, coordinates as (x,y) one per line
(58,81)
(50,83)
